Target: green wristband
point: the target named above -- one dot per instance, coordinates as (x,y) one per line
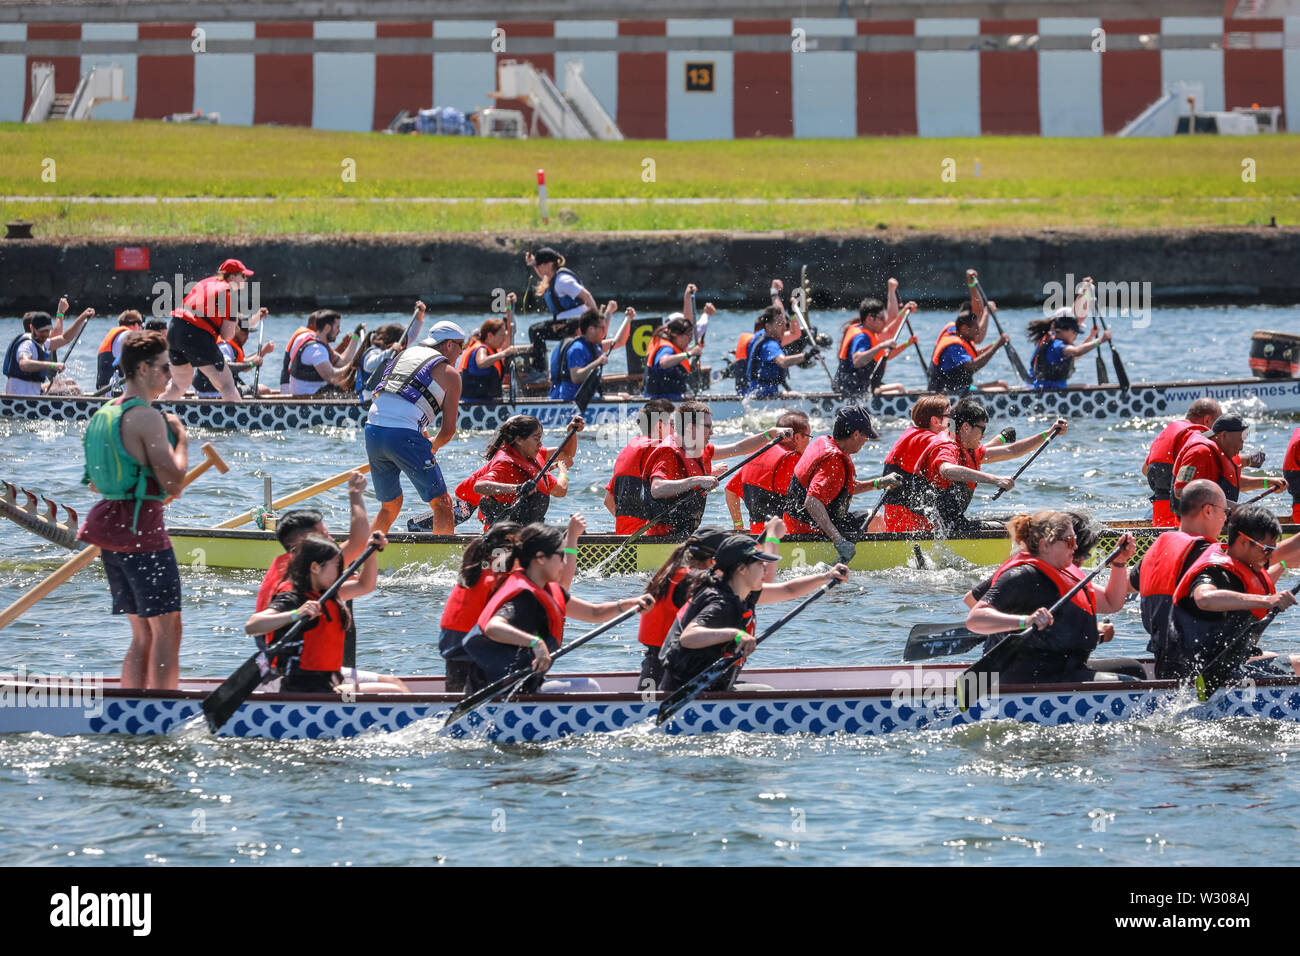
(572,551)
(740,636)
(60,315)
(532,642)
(771,540)
(293,615)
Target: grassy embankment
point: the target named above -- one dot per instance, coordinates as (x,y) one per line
(1025,183)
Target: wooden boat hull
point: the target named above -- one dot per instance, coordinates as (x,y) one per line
(1083,401)
(871,700)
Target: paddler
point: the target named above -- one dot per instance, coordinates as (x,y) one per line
(668,359)
(740,358)
(135,457)
(765,364)
(204,317)
(566,298)
(667,588)
(486,362)
(1025,588)
(869,342)
(515,456)
(764,483)
(719,616)
(1225,592)
(29,362)
(627,495)
(376,350)
(583,355)
(951,467)
(1159,465)
(825,481)
(420,383)
(236,361)
(1052,363)
(110,349)
(956,359)
(1291,472)
(483,567)
(316,666)
(902,502)
(682,465)
(524,620)
(1216,456)
(312,366)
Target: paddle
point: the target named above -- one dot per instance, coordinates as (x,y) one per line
(1011,349)
(113,383)
(261,359)
(1250,501)
(510,324)
(925,641)
(89,554)
(920,356)
(1223,666)
(1005,651)
(681,500)
(1121,375)
(812,342)
(295,496)
(530,486)
(1102,377)
(221,704)
(723,666)
(878,373)
(1051,437)
(480,697)
(373,381)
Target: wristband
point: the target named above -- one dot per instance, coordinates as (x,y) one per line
(1283,563)
(740,636)
(572,551)
(771,540)
(532,642)
(1046,433)
(60,315)
(293,615)
(972,282)
(875,482)
(1024,622)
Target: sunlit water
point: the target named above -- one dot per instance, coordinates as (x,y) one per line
(1142,793)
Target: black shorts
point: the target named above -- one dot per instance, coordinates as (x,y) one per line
(143,583)
(190,345)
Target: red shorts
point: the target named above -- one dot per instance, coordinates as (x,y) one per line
(898,518)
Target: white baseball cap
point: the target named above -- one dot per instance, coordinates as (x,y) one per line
(444,331)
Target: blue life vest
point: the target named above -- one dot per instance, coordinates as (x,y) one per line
(660,382)
(363,374)
(14,370)
(560,303)
(763,376)
(1053,374)
(562,386)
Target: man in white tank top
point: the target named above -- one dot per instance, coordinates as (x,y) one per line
(419,384)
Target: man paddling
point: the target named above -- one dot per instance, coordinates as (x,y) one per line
(825,481)
(29,362)
(682,465)
(764,483)
(1224,596)
(1216,455)
(419,384)
(136,456)
(627,495)
(110,349)
(767,367)
(237,362)
(312,366)
(951,468)
(204,317)
(956,359)
(1159,464)
(871,342)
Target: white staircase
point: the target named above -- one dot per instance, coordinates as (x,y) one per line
(102,84)
(1161,117)
(574,114)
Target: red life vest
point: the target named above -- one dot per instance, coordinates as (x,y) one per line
(1085,598)
(322,648)
(207,305)
(511,468)
(1222,470)
(465,490)
(274,581)
(814,456)
(764,483)
(551,598)
(1252,580)
(656,622)
(1291,472)
(903,457)
(687,517)
(742,345)
(464,605)
(630,489)
(1162,568)
(899,504)
(1170,441)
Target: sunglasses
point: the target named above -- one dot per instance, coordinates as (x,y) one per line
(1266,548)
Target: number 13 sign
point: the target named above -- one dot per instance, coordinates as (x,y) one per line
(699,77)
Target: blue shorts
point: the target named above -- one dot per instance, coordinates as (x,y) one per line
(394,452)
(143,583)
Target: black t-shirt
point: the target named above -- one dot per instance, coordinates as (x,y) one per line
(525,612)
(711,607)
(1215,577)
(1023,590)
(981,589)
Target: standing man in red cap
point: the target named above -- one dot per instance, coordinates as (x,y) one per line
(1216,456)
(203,318)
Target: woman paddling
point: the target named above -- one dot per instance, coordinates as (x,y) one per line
(1028,584)
(1054,348)
(719,617)
(484,363)
(515,456)
(668,359)
(488,559)
(316,666)
(524,620)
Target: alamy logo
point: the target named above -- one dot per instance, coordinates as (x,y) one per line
(1114,299)
(167,296)
(74,908)
(41,691)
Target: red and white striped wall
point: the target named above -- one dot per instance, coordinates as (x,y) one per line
(928,77)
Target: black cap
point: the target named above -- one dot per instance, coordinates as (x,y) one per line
(546,254)
(706,541)
(1228,423)
(857,418)
(1066,319)
(737,549)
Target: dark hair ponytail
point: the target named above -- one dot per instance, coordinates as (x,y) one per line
(510,431)
(478,555)
(315,549)
(1036,329)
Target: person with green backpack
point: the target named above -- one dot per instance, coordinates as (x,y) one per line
(136,456)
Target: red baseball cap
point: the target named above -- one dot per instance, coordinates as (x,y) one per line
(234,265)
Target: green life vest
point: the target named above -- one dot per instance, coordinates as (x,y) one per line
(116,475)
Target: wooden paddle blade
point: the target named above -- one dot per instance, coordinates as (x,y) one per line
(220,705)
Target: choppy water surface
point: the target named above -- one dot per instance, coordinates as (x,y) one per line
(1144,793)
